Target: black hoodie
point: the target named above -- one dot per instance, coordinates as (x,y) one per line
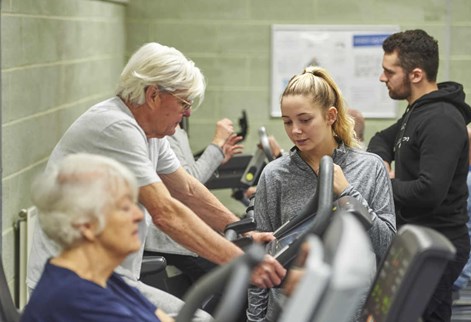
(431,160)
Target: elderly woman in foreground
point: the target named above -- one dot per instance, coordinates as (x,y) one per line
(87,206)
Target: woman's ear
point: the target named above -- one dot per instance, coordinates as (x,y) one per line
(331,115)
(88,231)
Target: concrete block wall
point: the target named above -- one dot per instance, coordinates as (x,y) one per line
(58,57)
(230,41)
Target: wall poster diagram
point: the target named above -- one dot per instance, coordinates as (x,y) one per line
(352,55)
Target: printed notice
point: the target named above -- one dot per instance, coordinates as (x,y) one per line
(352,55)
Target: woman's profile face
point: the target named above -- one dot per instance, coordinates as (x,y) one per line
(120,234)
(304,122)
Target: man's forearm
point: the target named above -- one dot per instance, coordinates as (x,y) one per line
(191,232)
(202,202)
(213,212)
(199,199)
(184,226)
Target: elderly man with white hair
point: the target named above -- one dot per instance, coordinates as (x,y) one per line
(156,89)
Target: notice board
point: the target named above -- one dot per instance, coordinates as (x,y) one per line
(351,53)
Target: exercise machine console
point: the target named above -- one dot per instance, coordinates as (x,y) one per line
(408,275)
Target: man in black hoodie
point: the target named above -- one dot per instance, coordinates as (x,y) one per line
(429,145)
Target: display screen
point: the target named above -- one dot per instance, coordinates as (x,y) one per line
(387,284)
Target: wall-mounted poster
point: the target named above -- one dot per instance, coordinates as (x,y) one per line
(352,55)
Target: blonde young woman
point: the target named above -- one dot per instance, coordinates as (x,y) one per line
(315,118)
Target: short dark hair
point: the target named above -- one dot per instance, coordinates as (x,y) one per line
(415,48)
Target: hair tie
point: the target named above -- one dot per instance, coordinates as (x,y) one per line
(309,70)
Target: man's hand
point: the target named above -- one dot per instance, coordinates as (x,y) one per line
(390,171)
(296,272)
(260,237)
(249,193)
(224,129)
(275,148)
(231,148)
(292,280)
(269,273)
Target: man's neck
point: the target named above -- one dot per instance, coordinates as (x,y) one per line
(421,89)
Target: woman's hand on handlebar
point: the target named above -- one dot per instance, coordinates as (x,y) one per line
(340,182)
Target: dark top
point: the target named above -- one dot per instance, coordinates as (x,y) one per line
(61,295)
(431,160)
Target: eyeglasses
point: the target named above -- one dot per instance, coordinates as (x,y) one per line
(185,104)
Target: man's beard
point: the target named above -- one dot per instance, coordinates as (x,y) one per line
(403,92)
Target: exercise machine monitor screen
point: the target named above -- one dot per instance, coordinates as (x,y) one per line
(388,281)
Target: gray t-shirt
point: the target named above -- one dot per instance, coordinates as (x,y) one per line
(208,162)
(202,169)
(108,129)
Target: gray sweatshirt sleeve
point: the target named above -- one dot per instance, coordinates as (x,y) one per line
(203,168)
(207,163)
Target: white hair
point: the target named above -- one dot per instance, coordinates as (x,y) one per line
(76,191)
(157,65)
